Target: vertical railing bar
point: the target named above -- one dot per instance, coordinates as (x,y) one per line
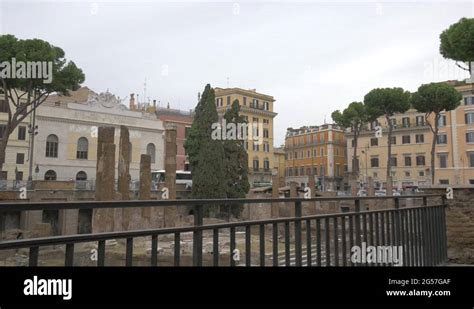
(232,246)
(262,245)
(101,253)
(33,256)
(443,224)
(248,245)
(351,234)
(69,259)
(308,244)
(197,235)
(275,244)
(377,233)
(298,254)
(129,252)
(403,235)
(287,243)
(154,250)
(327,241)
(215,247)
(343,234)
(364,229)
(336,241)
(177,248)
(318,242)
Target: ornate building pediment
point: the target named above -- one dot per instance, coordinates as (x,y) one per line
(105,100)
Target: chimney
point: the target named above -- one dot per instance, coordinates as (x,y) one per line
(132,101)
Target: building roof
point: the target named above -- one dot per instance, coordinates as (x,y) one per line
(249,92)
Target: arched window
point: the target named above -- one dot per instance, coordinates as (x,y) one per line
(50,175)
(82,148)
(52,146)
(150,150)
(81,176)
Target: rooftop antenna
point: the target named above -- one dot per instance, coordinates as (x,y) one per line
(144,91)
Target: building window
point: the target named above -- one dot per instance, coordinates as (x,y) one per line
(420,160)
(3,106)
(407,161)
(266,165)
(20,158)
(376,175)
(21,133)
(266,147)
(470,137)
(19,176)
(374,162)
(266,106)
(469,118)
(442,121)
(82,148)
(256,147)
(406,122)
(374,141)
(50,175)
(469,101)
(471,181)
(444,181)
(265,133)
(3,130)
(407,174)
(266,121)
(419,138)
(353,143)
(228,100)
(245,101)
(322,170)
(81,176)
(150,150)
(393,140)
(442,139)
(406,139)
(52,146)
(255,164)
(296,155)
(421,173)
(393,161)
(443,160)
(471,159)
(420,121)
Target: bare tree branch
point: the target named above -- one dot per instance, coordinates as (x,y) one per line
(465,69)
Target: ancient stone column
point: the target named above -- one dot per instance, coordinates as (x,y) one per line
(312,186)
(123,184)
(105,135)
(145,184)
(103,219)
(124,164)
(170,213)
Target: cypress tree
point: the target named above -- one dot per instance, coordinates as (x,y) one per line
(236,159)
(206,156)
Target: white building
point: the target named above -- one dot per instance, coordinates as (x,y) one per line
(66,144)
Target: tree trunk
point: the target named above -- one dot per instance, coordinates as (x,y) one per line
(355,167)
(389,160)
(3,148)
(433,147)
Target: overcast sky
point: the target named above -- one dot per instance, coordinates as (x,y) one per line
(312,56)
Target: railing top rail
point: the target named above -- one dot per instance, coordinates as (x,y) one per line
(56,240)
(22,206)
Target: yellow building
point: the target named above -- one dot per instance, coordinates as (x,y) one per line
(411,147)
(257,108)
(17,152)
(319,151)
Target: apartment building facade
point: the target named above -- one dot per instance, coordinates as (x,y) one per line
(257,108)
(318,151)
(411,147)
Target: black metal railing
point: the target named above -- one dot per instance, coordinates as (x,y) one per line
(315,240)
